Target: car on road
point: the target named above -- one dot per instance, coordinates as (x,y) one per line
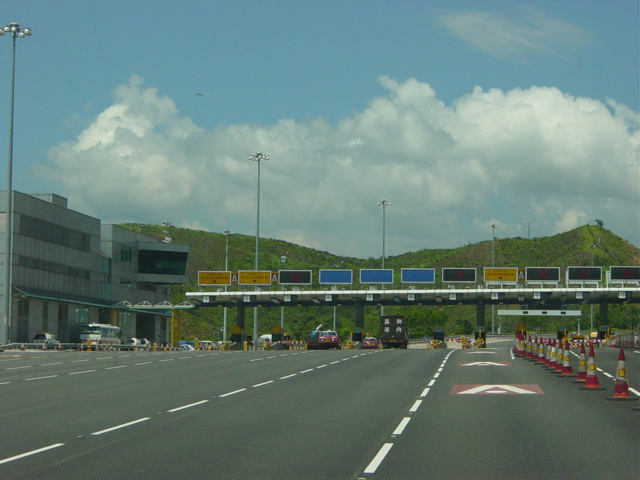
(328,339)
(46,340)
(132,343)
(370,343)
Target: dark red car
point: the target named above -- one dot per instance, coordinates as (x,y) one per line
(370,343)
(328,339)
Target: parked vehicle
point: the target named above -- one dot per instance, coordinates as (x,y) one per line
(393,331)
(370,343)
(328,339)
(100,334)
(46,340)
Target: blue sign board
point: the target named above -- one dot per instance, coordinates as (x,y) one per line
(336,277)
(418,275)
(376,275)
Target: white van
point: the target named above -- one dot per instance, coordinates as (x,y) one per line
(46,340)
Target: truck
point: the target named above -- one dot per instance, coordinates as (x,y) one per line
(393,331)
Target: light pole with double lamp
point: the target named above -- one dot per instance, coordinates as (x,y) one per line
(384,204)
(14,31)
(258,157)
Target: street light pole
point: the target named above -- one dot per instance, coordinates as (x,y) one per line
(258,157)
(14,30)
(384,204)
(226,234)
(493,264)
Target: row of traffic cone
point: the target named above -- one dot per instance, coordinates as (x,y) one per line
(558,360)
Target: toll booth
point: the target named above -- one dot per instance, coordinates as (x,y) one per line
(236,338)
(276,335)
(562,333)
(604,333)
(481,337)
(356,335)
(438,334)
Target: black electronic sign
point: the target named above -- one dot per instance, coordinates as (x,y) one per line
(542,274)
(294,277)
(624,273)
(459,275)
(584,274)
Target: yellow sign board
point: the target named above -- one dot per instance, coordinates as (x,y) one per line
(492,274)
(254,277)
(214,278)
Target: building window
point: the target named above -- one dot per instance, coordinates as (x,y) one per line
(82,315)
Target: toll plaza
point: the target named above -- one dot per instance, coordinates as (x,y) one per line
(532,291)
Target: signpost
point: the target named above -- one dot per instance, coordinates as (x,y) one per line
(502,275)
(343,277)
(254,277)
(459,275)
(376,275)
(418,275)
(206,278)
(294,277)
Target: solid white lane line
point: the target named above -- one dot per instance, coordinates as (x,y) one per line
(401,426)
(187,406)
(263,383)
(32,452)
(121,426)
(415,406)
(377,460)
(80,373)
(232,393)
(39,378)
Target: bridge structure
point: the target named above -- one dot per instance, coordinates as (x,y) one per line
(536,290)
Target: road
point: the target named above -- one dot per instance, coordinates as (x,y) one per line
(348,414)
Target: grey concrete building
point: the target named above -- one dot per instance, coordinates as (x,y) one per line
(68,269)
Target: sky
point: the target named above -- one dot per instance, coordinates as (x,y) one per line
(461,114)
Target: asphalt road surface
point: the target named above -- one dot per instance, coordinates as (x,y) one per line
(347,414)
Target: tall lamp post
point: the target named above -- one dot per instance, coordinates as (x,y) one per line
(14,30)
(226,234)
(384,204)
(258,157)
(493,264)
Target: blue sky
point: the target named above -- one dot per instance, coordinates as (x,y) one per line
(462,114)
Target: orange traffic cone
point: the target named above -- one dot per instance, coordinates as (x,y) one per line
(552,358)
(540,359)
(559,357)
(592,382)
(582,366)
(621,386)
(567,371)
(529,349)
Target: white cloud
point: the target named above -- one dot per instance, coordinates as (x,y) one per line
(516,35)
(534,155)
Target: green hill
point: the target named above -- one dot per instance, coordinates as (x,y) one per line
(590,244)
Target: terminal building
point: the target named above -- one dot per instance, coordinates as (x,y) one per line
(69,269)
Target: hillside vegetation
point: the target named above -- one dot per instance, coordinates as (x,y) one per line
(585,245)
